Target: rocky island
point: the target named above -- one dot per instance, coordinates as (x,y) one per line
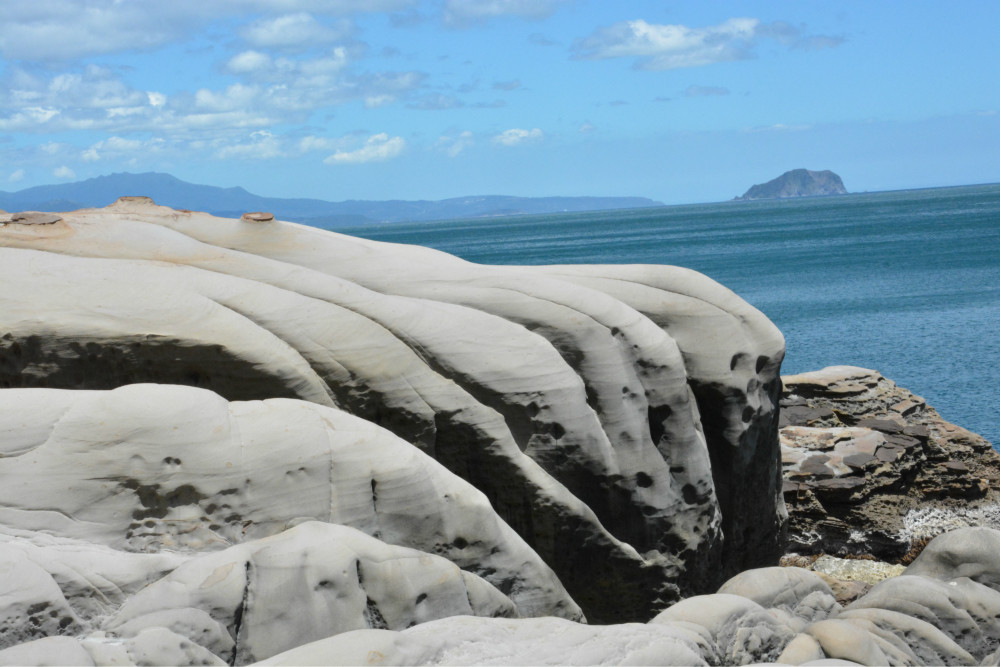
(236,441)
(797,183)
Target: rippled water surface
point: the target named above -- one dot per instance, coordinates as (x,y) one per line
(903,282)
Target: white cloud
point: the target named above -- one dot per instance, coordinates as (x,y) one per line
(665,47)
(262,146)
(249,62)
(452,146)
(516,136)
(376,101)
(293,32)
(54,30)
(377,148)
(585,128)
(16,176)
(64,173)
(116,147)
(462,13)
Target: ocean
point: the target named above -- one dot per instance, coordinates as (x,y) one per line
(904,282)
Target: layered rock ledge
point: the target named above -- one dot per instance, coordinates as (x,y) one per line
(871,469)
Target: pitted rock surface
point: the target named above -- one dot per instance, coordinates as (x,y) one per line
(622,420)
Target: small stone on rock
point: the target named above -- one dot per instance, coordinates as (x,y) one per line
(257,216)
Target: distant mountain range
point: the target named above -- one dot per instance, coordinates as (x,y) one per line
(798,183)
(233,202)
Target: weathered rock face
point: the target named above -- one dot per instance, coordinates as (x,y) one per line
(151,468)
(621,420)
(870,468)
(775,615)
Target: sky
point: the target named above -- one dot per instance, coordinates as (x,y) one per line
(682,102)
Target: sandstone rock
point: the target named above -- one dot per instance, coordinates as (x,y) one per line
(483,641)
(965,552)
(308,583)
(742,631)
(152,646)
(965,611)
(31,604)
(34,218)
(799,592)
(151,467)
(85,582)
(590,443)
(257,216)
(921,642)
(870,468)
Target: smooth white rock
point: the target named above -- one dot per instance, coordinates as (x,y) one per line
(152,467)
(311,582)
(483,641)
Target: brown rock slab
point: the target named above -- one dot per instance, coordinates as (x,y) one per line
(35,218)
(257,216)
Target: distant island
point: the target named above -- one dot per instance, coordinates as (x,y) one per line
(233,202)
(798,183)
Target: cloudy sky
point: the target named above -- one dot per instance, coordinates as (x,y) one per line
(684,101)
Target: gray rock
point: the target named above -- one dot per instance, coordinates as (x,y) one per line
(922,642)
(965,611)
(168,468)
(742,631)
(800,592)
(152,646)
(637,418)
(485,641)
(966,552)
(309,582)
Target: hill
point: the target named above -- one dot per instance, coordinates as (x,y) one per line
(232,202)
(798,183)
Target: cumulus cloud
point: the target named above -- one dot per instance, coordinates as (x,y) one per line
(377,148)
(16,176)
(118,147)
(516,136)
(463,13)
(262,145)
(665,47)
(706,91)
(452,146)
(293,32)
(64,173)
(54,30)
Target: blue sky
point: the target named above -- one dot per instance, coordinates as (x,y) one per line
(401,99)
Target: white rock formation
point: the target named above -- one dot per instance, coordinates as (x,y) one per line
(160,467)
(485,641)
(565,394)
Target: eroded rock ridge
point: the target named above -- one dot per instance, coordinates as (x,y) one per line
(614,426)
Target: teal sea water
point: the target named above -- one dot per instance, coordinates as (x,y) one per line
(904,282)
